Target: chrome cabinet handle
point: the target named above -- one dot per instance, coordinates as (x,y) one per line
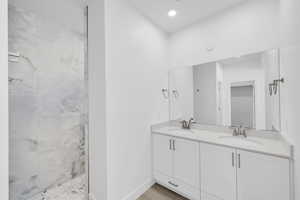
(239,158)
(232,159)
(173,184)
(170,144)
(174,145)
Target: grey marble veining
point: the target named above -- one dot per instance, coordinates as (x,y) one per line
(48,115)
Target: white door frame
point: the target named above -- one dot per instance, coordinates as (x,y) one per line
(4,100)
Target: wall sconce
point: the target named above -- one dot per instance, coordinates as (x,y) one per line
(273,87)
(175,93)
(165,93)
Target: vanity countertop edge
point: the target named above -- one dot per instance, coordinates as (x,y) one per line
(274,145)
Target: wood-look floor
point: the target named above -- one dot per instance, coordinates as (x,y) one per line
(157,192)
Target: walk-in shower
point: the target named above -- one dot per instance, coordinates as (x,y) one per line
(48,100)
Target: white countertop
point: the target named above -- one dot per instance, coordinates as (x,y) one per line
(271,145)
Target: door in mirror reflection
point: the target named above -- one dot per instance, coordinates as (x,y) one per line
(242,106)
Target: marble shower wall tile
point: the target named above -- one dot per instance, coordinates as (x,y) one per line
(47,96)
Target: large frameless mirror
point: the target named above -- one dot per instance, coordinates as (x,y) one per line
(238,91)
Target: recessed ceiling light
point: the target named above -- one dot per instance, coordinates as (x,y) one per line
(172,13)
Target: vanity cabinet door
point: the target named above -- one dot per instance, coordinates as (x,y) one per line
(218,172)
(186,161)
(162,154)
(262,177)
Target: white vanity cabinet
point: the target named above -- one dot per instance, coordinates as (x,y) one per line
(218,172)
(230,174)
(262,177)
(176,164)
(186,161)
(162,154)
(208,171)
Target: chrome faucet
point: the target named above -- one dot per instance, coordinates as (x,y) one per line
(187,124)
(239,131)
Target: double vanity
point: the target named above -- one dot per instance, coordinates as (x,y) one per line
(209,163)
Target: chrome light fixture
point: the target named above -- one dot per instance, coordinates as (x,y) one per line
(273,87)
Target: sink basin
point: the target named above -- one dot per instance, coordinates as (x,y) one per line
(240,141)
(178,129)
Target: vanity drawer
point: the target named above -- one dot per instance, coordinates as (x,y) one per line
(177,186)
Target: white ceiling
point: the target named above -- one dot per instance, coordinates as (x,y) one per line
(189,11)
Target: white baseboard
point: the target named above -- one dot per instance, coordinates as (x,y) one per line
(140,190)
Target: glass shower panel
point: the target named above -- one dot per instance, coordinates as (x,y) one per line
(48,100)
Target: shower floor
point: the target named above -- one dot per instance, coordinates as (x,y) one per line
(75,189)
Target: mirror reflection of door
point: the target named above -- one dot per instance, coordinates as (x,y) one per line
(243,106)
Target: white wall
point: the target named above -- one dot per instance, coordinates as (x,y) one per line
(249,27)
(205,101)
(97,100)
(181,103)
(136,72)
(290,98)
(220,95)
(290,70)
(3,101)
(289,23)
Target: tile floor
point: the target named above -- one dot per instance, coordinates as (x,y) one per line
(72,190)
(75,190)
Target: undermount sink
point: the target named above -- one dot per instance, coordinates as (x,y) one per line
(241,141)
(180,129)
